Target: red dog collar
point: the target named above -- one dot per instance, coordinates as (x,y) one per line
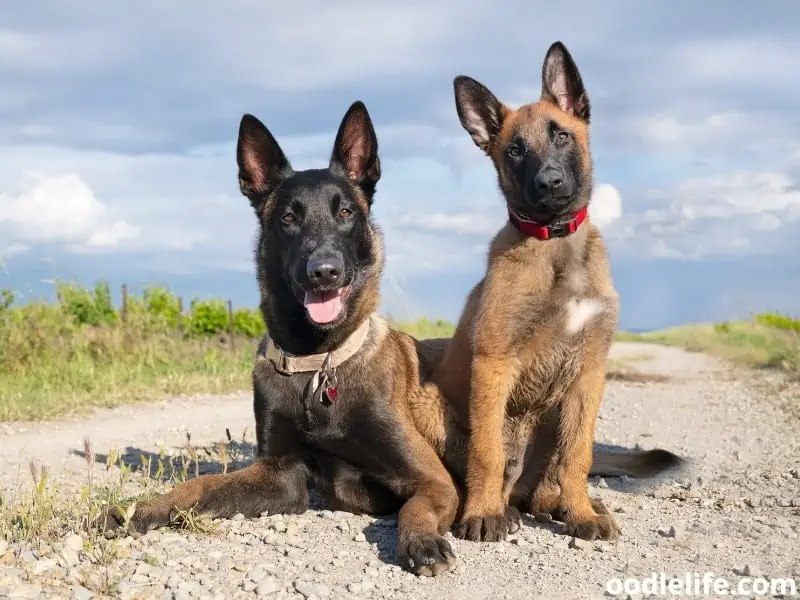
(546,232)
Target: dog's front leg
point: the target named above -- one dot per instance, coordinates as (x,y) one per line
(583,517)
(422,522)
(268,485)
(486,516)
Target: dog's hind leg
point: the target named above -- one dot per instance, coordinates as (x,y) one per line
(267,485)
(349,490)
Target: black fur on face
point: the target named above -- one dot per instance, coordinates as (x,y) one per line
(319,256)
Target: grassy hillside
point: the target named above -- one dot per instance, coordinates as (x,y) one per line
(769,340)
(82,351)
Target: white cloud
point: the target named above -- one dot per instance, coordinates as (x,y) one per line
(606,205)
(708,217)
(60,209)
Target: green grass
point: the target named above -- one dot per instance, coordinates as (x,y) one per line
(79,353)
(768,340)
(38,512)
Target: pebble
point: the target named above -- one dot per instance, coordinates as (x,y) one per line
(578,544)
(309,589)
(74,542)
(69,557)
(672,532)
(278,526)
(360,537)
(267,586)
(26,590)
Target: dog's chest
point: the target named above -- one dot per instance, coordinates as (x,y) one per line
(358,428)
(558,346)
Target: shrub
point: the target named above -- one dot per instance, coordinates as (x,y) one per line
(208,317)
(162,304)
(249,322)
(778,321)
(85,306)
(7,298)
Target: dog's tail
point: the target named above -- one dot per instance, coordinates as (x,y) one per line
(638,463)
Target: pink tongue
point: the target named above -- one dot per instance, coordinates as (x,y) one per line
(323,307)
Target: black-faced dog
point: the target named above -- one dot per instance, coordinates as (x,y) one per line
(332,383)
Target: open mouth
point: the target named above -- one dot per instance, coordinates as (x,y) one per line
(326,306)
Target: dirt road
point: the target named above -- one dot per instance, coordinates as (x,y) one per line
(734,512)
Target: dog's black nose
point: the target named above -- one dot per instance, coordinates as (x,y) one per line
(326,270)
(549,180)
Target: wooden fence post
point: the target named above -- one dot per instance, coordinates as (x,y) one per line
(230,323)
(180,314)
(124,303)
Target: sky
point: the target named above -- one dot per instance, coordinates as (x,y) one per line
(118,126)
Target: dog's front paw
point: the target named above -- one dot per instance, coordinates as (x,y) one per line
(114,521)
(426,554)
(594,527)
(489,528)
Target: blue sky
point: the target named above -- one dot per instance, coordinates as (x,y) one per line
(118,127)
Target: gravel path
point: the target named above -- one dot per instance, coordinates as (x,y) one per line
(735,511)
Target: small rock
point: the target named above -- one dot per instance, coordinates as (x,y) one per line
(601,483)
(267,587)
(81,593)
(278,526)
(238,517)
(294,541)
(543,517)
(45,565)
(354,588)
(27,556)
(215,555)
(746,571)
(306,588)
(74,542)
(25,590)
(371,572)
(69,557)
(672,532)
(360,537)
(367,585)
(320,569)
(578,544)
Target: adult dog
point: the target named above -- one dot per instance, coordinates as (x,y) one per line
(536,330)
(332,382)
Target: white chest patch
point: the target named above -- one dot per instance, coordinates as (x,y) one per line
(579,311)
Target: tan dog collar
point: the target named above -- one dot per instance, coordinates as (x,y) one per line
(289,363)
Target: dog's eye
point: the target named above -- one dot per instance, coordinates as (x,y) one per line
(288,219)
(562,136)
(514,151)
(345,212)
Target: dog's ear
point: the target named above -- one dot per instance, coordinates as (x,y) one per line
(479,110)
(261,161)
(355,151)
(562,84)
